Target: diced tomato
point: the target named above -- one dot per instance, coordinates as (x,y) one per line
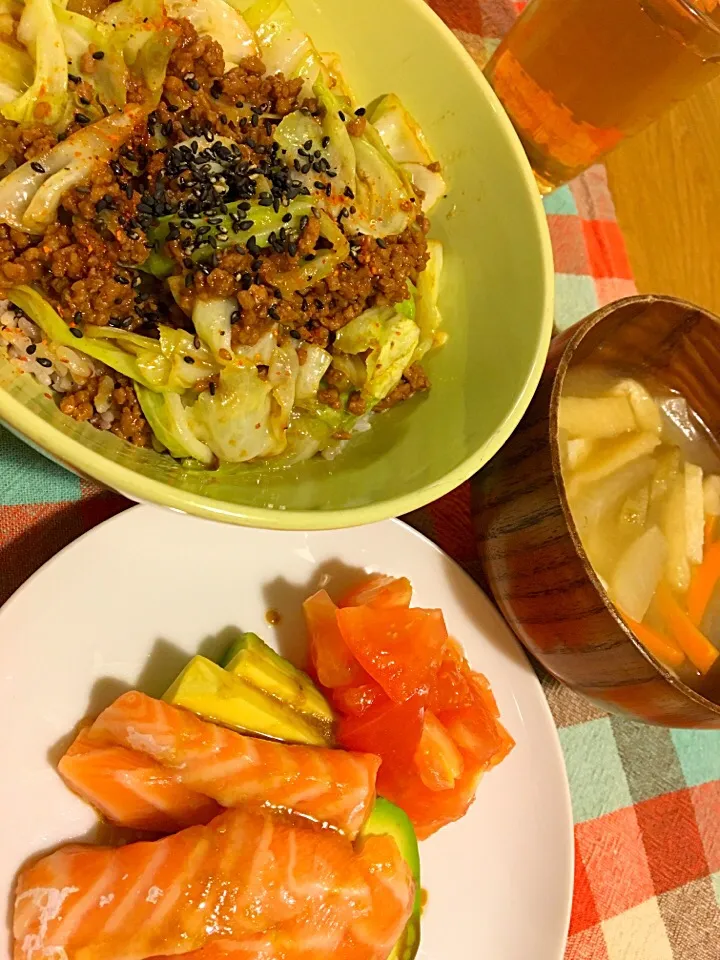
(401,649)
(476,728)
(332,661)
(429,809)
(355,701)
(379,592)
(452,685)
(390,730)
(437,759)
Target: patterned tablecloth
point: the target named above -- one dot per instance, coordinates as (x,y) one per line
(646,801)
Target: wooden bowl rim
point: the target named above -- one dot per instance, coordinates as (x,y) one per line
(584,327)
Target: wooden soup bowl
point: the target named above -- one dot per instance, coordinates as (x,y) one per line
(534,561)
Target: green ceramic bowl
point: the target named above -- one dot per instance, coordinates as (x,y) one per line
(496,299)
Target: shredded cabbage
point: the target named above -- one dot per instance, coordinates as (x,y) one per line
(391,340)
(406,143)
(381,193)
(387,363)
(29,199)
(311,372)
(146,45)
(427,314)
(211,319)
(363,333)
(308,273)
(221,22)
(45,99)
(10,11)
(168,419)
(341,154)
(236,423)
(264,219)
(133,364)
(150,62)
(282,375)
(16,72)
(284,46)
(109,75)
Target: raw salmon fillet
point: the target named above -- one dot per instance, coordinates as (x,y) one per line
(334,930)
(331,786)
(242,875)
(131,789)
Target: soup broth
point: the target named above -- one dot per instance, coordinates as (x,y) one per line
(642,479)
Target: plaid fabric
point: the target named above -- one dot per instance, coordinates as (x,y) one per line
(646,802)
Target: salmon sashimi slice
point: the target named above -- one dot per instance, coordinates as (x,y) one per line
(313,936)
(242,875)
(335,787)
(131,789)
(333,931)
(373,935)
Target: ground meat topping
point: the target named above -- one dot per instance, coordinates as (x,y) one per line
(85,262)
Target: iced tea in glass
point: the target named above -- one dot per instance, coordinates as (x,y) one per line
(577,76)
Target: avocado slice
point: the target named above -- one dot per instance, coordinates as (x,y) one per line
(252,659)
(215,694)
(386,818)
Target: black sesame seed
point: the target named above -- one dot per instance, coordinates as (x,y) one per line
(255,120)
(81,118)
(193,83)
(326,142)
(211,388)
(381,243)
(73,79)
(44,362)
(307,145)
(292,248)
(31,349)
(37,167)
(349,194)
(287,218)
(234,316)
(360,112)
(294,334)
(76,332)
(171,108)
(98,55)
(341,115)
(84,101)
(246,225)
(188,279)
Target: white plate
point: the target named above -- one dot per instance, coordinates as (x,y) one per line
(127,603)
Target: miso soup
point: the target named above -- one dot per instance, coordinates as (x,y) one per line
(642,478)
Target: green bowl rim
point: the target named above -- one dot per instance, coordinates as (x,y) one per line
(143,489)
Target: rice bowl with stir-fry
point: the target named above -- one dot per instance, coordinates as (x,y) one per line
(208,247)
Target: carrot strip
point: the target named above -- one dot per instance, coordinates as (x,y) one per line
(709,532)
(657,643)
(703,582)
(696,646)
